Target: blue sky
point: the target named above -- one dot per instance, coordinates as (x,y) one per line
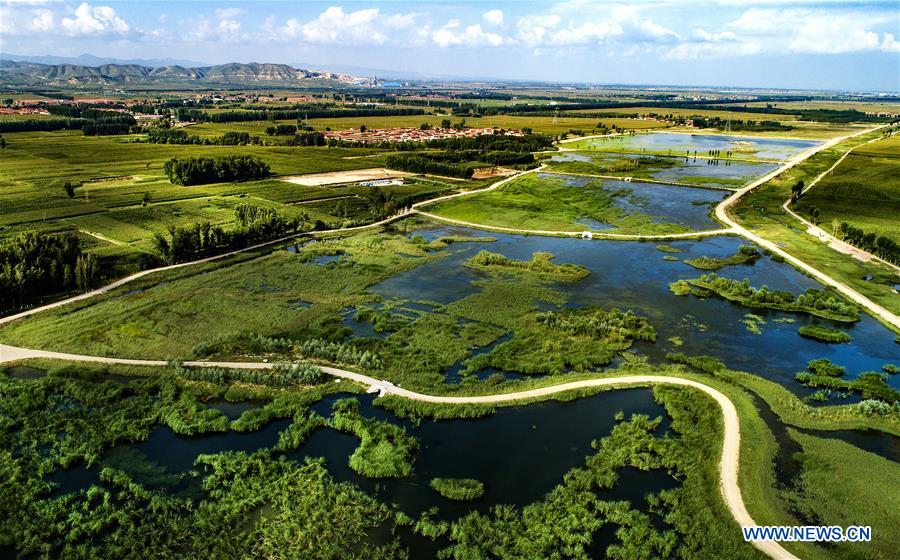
(763,43)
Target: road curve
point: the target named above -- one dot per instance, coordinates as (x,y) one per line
(729,462)
(724,216)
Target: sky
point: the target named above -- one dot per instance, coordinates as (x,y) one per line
(851,45)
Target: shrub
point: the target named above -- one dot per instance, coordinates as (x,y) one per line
(459,489)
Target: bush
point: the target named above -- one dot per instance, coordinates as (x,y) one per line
(459,489)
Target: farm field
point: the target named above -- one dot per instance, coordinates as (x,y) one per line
(864,190)
(761,212)
(538,124)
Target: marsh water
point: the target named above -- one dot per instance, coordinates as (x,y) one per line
(714,172)
(519,453)
(679,144)
(634,275)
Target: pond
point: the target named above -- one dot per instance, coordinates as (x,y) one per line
(686,206)
(519,453)
(727,173)
(669,143)
(634,275)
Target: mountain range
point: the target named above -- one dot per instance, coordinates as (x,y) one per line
(13,72)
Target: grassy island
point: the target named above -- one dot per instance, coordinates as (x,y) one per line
(824,334)
(813,301)
(459,489)
(746,254)
(539,264)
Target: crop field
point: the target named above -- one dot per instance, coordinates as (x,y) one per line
(864,190)
(538,124)
(761,212)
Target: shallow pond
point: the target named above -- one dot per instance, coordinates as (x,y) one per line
(701,171)
(668,143)
(633,275)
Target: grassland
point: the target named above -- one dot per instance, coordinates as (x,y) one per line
(864,190)
(113,175)
(760,211)
(537,124)
(548,202)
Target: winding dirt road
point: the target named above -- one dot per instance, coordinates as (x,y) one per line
(729,461)
(724,216)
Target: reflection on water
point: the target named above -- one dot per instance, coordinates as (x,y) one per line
(632,275)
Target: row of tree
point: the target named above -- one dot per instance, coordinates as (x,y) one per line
(37,264)
(197,115)
(201,170)
(419,163)
(879,245)
(253,224)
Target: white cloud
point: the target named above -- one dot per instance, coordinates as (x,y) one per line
(42,21)
(229,13)
(471,36)
(889,44)
(493,17)
(95,21)
(335,26)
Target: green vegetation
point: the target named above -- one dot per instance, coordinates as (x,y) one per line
(539,264)
(862,192)
(385,450)
(548,202)
(200,170)
(667,248)
(422,164)
(860,498)
(459,489)
(746,254)
(823,374)
(612,325)
(824,334)
(813,301)
(760,211)
(34,264)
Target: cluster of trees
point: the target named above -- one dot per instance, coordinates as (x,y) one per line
(37,264)
(165,135)
(280,376)
(253,224)
(540,263)
(614,325)
(880,245)
(201,170)
(281,130)
(822,374)
(197,115)
(116,124)
(813,301)
(421,163)
(338,352)
(738,125)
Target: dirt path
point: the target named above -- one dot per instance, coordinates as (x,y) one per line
(724,216)
(729,461)
(593,234)
(819,233)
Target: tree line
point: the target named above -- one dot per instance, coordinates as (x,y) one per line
(117,124)
(879,245)
(197,115)
(202,170)
(420,163)
(38,264)
(253,224)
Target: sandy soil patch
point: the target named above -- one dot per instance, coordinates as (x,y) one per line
(336,177)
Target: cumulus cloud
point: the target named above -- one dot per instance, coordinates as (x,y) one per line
(451,35)
(493,17)
(98,20)
(42,21)
(335,26)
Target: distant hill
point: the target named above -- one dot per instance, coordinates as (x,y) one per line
(93,60)
(14,72)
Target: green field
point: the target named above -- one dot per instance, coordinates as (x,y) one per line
(864,190)
(112,175)
(546,202)
(761,212)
